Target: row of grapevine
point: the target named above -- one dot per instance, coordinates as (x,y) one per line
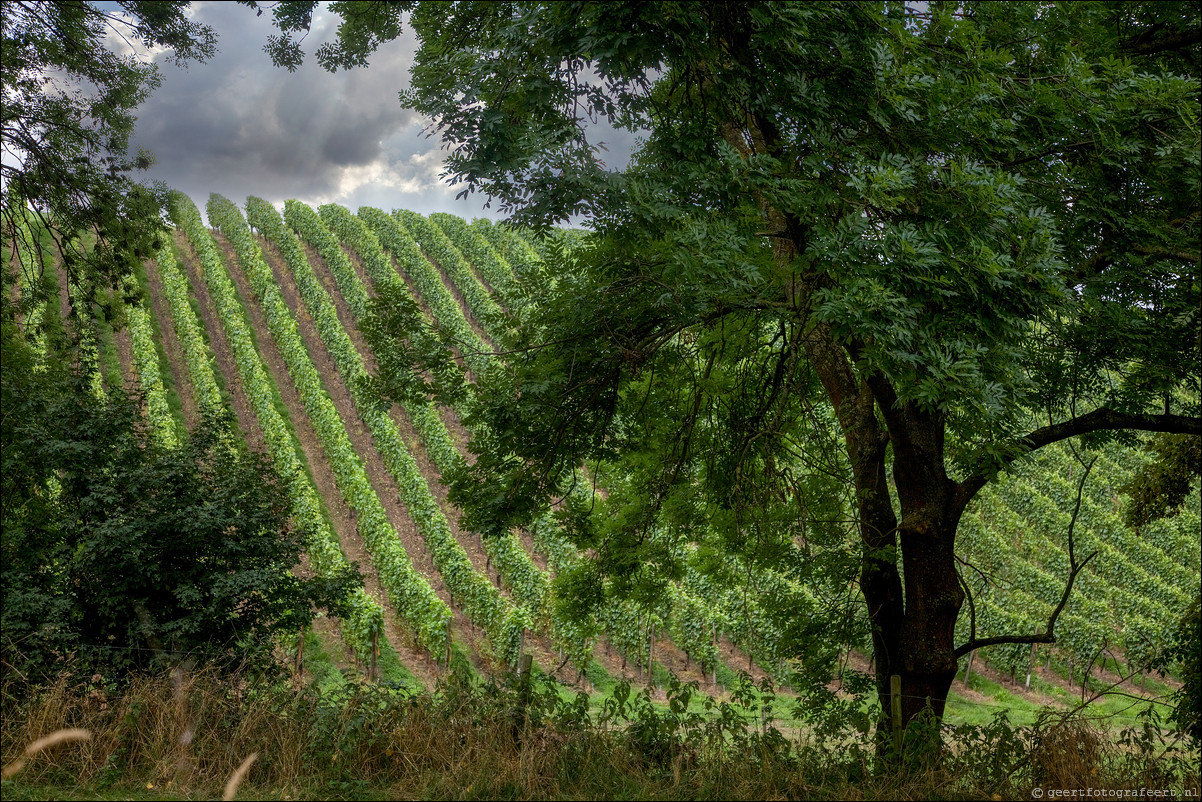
(416,602)
(622,624)
(197,358)
(366,620)
(146,364)
(435,243)
(409,258)
(518,253)
(525,581)
(480,598)
(491,266)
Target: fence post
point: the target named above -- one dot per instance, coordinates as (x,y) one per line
(375,650)
(300,650)
(896,709)
(448,643)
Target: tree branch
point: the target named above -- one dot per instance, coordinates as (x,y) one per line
(1100,419)
(1143,44)
(1048,635)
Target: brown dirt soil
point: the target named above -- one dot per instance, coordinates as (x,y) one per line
(171,345)
(125,355)
(342,517)
(219,346)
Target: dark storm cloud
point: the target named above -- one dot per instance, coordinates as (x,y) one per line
(239,126)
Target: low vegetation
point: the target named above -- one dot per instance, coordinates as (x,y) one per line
(182,735)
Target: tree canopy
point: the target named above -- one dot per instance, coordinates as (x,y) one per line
(858,242)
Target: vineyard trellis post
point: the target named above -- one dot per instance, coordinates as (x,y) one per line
(375,652)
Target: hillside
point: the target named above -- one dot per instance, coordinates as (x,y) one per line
(263,314)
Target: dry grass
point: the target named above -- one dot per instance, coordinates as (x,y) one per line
(198,734)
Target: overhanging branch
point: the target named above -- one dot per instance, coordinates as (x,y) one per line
(1049,634)
(1100,419)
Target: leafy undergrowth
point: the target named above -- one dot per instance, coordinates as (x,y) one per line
(183,736)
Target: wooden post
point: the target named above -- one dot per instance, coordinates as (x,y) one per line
(448,643)
(524,668)
(895,707)
(968,668)
(650,650)
(1030,665)
(375,651)
(300,650)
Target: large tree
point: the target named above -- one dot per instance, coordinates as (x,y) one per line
(959,235)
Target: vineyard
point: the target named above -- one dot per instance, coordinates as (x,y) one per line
(265,313)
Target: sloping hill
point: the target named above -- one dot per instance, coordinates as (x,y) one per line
(267,324)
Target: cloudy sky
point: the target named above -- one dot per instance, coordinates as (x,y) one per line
(239,126)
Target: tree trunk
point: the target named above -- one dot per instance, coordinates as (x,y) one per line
(913,621)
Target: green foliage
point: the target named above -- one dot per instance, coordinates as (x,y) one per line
(1161,489)
(1184,654)
(67,118)
(130,552)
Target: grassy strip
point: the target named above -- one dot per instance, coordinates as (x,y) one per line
(336,739)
